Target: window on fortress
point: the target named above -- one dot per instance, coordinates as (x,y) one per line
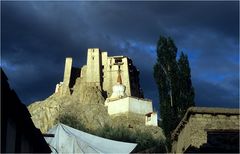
(148,118)
(92,57)
(118,60)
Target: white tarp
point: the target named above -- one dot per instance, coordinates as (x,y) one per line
(70,140)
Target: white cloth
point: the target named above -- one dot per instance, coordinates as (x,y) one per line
(70,140)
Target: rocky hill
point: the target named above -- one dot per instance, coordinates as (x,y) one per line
(86,103)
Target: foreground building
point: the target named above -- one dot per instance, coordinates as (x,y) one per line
(211,130)
(18,133)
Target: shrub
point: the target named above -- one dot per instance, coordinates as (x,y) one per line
(145,140)
(72,121)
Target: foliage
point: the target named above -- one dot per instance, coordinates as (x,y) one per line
(144,139)
(187,90)
(72,121)
(120,133)
(174,84)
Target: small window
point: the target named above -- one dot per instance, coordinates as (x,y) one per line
(118,60)
(92,57)
(148,118)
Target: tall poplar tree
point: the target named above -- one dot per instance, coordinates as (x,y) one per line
(186,87)
(166,77)
(175,89)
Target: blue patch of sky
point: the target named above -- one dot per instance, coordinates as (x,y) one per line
(213,78)
(149,48)
(234,50)
(7,66)
(192,55)
(234,58)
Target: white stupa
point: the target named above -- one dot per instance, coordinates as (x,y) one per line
(120,103)
(118,89)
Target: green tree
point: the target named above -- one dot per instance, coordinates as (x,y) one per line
(174,85)
(187,90)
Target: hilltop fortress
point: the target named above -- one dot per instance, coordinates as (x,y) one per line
(104,91)
(101,71)
(115,76)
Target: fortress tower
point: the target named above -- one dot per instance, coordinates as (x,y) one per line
(94,63)
(63,87)
(67,75)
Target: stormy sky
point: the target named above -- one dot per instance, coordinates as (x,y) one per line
(37,36)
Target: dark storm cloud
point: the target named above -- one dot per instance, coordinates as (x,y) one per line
(33,50)
(37,36)
(213,95)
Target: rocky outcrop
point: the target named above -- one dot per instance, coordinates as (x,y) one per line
(86,103)
(45,112)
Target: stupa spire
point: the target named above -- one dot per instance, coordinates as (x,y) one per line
(119,78)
